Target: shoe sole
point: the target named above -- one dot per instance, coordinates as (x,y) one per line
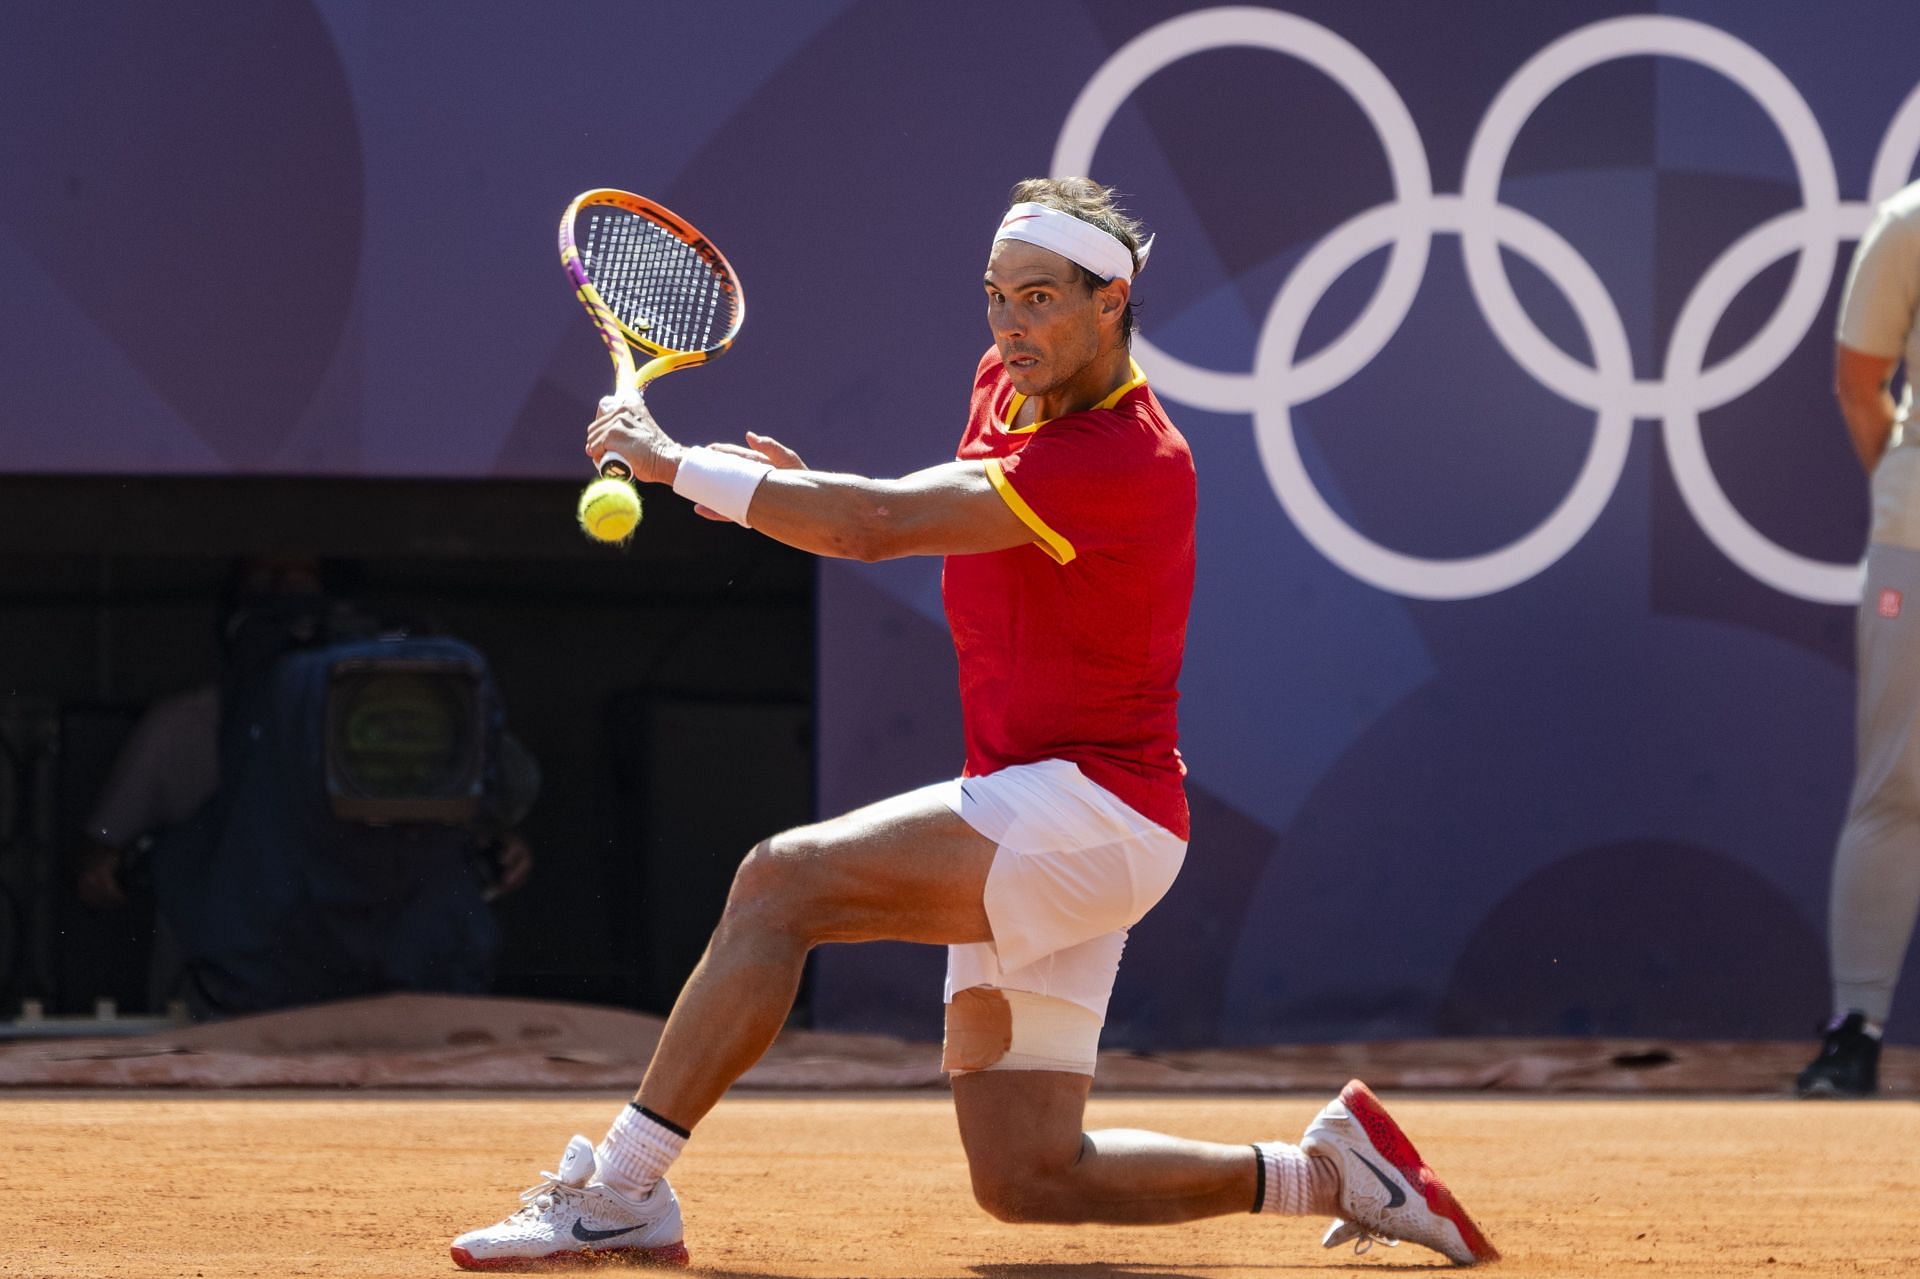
(584,1259)
(1398,1151)
(1826,1091)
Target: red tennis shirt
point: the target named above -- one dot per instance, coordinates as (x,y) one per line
(1070,646)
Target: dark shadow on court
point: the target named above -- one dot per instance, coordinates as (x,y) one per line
(1287,1261)
(1056,1270)
(1095,1270)
(1089,1270)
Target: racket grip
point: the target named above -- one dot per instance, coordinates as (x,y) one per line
(612,465)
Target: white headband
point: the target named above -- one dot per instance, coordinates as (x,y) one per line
(1081,243)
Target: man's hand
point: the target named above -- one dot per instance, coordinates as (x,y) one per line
(513,862)
(758,448)
(625,427)
(1861,383)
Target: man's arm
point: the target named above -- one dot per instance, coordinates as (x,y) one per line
(1861,383)
(950,509)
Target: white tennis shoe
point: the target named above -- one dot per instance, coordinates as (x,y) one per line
(570,1219)
(1387,1192)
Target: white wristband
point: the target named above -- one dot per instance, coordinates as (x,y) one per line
(720,482)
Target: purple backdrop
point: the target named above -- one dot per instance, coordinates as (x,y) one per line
(1519,690)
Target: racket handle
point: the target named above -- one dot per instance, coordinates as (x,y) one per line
(612,465)
(628,394)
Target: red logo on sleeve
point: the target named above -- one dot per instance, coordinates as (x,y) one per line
(1889,603)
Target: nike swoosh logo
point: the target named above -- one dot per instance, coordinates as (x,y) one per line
(1397,1195)
(584,1235)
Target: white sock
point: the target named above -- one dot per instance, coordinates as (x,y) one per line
(638,1150)
(1286,1179)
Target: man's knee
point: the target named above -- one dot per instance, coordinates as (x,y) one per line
(777,885)
(1027,1189)
(1021,1064)
(761,890)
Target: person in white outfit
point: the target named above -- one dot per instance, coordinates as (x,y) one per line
(1876,867)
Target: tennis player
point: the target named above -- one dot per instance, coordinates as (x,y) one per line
(1067,525)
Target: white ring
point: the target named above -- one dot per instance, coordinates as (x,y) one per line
(1159,47)
(1408,575)
(1763,559)
(1552,67)
(1899,147)
(1685,387)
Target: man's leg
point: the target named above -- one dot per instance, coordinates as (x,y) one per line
(1075,869)
(904,869)
(1876,867)
(1032,1160)
(1876,876)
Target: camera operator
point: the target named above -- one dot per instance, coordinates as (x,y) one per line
(166,786)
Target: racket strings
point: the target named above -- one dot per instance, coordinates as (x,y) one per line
(659,286)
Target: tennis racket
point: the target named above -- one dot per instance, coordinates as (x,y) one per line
(650,282)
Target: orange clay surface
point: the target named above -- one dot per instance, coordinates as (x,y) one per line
(211,1186)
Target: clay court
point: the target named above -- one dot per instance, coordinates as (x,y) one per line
(357,1139)
(215,1186)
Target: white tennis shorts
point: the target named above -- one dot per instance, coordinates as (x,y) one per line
(1076,868)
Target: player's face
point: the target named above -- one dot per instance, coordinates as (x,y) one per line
(1044,318)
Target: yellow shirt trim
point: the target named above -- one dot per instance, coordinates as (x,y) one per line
(1058,548)
(1136,378)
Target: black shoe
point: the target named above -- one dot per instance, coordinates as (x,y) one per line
(1848,1064)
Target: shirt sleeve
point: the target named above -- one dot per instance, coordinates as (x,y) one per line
(168,768)
(1883,284)
(1088,484)
(127,807)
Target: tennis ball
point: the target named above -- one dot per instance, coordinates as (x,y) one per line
(609,510)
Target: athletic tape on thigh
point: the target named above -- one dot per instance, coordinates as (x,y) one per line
(993,1029)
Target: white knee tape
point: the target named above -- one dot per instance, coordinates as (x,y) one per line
(993,1029)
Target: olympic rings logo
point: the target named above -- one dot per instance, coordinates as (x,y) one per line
(1687,387)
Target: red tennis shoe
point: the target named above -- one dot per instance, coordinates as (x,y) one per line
(1387,1191)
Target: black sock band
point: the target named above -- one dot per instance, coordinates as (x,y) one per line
(1260,1180)
(662,1120)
